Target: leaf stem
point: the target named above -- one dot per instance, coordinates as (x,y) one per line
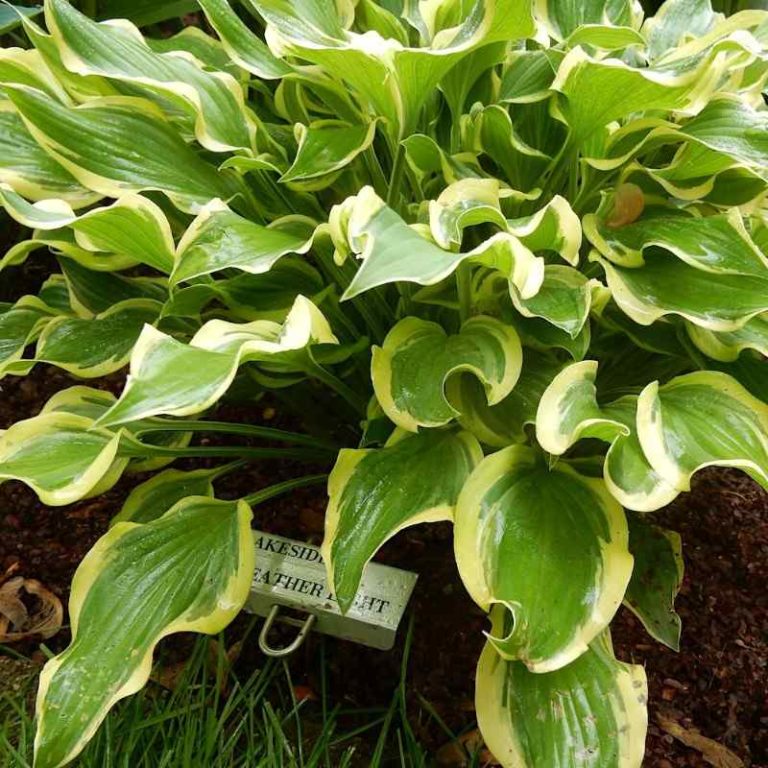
(377,326)
(378,179)
(316,371)
(217,451)
(396,178)
(464,288)
(225,469)
(231,428)
(553,175)
(279,488)
(573,177)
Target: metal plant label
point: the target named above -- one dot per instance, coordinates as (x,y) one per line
(291,574)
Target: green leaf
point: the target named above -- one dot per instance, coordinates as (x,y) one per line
(188,571)
(60,82)
(371,15)
(564,299)
(45,214)
(53,296)
(555,228)
(92,293)
(32,172)
(394,79)
(547,517)
(267,296)
(179,379)
(727,133)
(214,100)
(426,158)
(675,21)
(326,146)
(569,410)
(698,173)
(719,244)
(590,713)
(151,499)
(80,401)
(463,204)
(527,77)
(491,295)
(61,457)
(118,145)
(659,338)
(28,66)
(719,301)
(729,125)
(596,92)
(221,239)
(391,250)
(18,328)
(457,84)
(562,17)
(94,347)
(504,423)
(244,47)
(10,16)
(376,493)
(655,580)
(749,371)
(145,12)
(201,45)
(661,438)
(702,419)
(412,368)
(607,38)
(618,145)
(728,345)
(497,138)
(133,226)
(542,335)
(61,242)
(93,404)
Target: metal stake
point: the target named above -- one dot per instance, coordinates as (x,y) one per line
(305,627)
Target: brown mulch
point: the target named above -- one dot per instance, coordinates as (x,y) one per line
(716,685)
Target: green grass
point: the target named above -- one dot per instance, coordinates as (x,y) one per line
(257,723)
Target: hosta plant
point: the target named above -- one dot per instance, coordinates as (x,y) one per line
(507,261)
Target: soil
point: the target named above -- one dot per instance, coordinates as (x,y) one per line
(716,684)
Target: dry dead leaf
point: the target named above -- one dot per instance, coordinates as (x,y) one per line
(28,609)
(713,752)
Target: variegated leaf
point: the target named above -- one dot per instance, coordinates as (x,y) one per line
(154,497)
(61,457)
(504,423)
(189,570)
(547,516)
(118,51)
(590,713)
(118,145)
(391,77)
(410,371)
(655,580)
(220,239)
(179,379)
(374,493)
